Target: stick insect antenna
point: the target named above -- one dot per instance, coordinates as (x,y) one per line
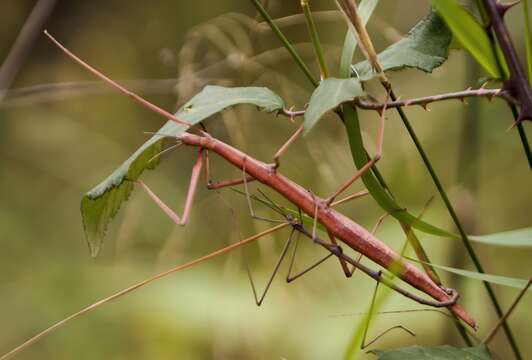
(116,85)
(167,150)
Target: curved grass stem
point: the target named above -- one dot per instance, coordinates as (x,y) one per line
(138,285)
(316,43)
(299,61)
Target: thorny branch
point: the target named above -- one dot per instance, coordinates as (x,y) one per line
(367,104)
(424,101)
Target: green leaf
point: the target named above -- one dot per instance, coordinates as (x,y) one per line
(444,352)
(365,8)
(425,47)
(102,203)
(512,238)
(328,95)
(494,279)
(469,33)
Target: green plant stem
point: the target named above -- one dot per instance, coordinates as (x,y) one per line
(285,42)
(528,41)
(315,38)
(458,224)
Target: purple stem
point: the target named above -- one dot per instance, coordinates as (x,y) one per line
(517,84)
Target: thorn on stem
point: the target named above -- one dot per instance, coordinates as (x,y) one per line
(425,106)
(502,8)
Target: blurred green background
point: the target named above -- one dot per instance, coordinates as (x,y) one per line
(57,142)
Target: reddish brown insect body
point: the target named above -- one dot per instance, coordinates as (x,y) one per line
(338,225)
(352,234)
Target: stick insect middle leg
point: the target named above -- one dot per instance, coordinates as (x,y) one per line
(244,180)
(369,164)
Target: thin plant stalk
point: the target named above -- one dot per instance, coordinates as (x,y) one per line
(299,61)
(22,46)
(493,332)
(465,240)
(316,43)
(528,40)
(139,285)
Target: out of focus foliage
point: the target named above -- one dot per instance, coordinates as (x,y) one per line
(60,141)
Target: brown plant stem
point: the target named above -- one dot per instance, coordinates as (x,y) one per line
(367,104)
(24,43)
(137,286)
(502,320)
(426,100)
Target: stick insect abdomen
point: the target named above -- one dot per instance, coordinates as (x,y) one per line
(343,228)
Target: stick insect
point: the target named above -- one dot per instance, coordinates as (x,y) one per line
(322,211)
(338,226)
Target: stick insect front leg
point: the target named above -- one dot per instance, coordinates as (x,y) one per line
(179,220)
